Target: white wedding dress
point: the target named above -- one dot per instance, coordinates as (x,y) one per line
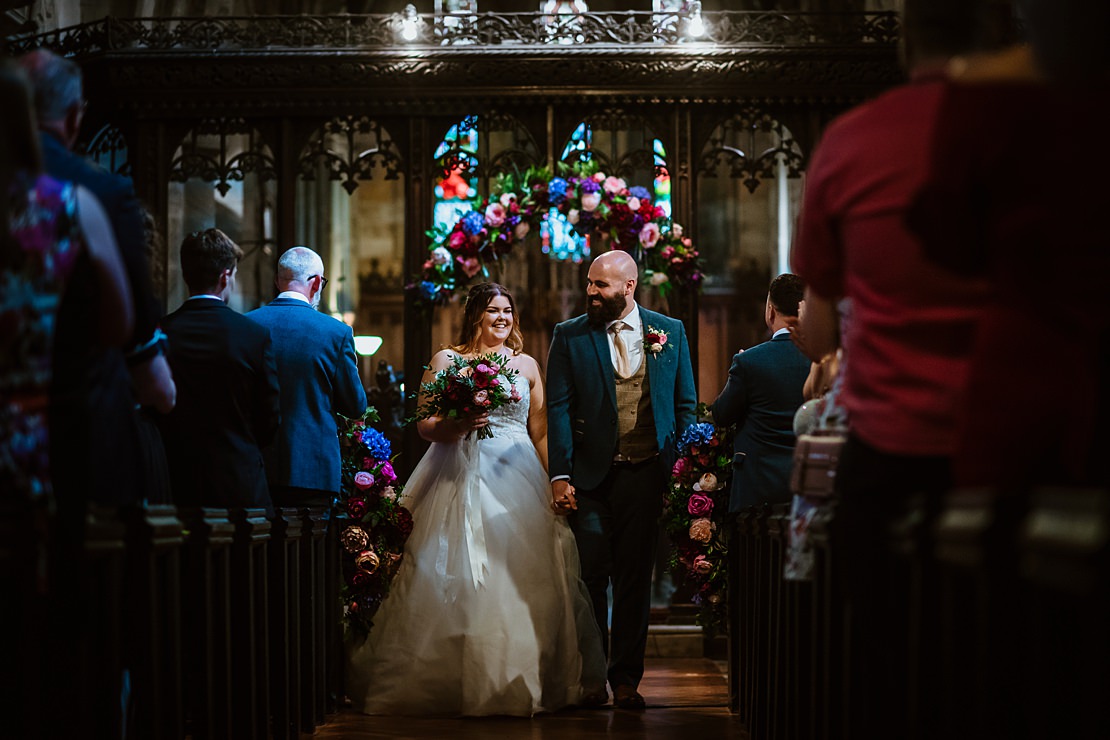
(487,614)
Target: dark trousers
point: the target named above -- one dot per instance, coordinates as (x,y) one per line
(617,530)
(892,636)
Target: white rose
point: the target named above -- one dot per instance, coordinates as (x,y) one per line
(657,347)
(634,203)
(676,230)
(707,483)
(590,202)
(507,198)
(441,256)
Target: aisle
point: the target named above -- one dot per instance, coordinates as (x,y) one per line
(687,699)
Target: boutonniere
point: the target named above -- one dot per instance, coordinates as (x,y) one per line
(655,340)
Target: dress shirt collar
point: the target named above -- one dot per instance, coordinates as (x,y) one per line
(205,295)
(294,295)
(780,332)
(632,320)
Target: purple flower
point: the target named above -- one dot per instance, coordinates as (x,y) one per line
(639,191)
(588,186)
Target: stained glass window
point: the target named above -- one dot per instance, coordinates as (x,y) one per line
(457,183)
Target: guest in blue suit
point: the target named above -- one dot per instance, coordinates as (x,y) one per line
(318,374)
(620,390)
(763,391)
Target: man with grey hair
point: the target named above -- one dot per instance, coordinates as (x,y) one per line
(318,372)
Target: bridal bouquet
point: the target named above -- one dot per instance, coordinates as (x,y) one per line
(694,516)
(469,388)
(373,524)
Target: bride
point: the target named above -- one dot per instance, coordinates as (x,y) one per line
(487,615)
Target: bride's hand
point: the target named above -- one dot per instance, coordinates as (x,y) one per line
(468,424)
(563,497)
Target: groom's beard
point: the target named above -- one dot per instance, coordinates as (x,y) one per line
(606,310)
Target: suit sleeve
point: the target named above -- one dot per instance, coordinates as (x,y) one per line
(267,407)
(732,405)
(350,396)
(686,397)
(560,395)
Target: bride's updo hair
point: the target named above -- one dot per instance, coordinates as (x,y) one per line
(479,297)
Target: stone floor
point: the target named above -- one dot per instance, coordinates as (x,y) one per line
(687,699)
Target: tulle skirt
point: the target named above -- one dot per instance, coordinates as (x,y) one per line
(487,614)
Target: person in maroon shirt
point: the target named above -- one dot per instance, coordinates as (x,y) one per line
(906,349)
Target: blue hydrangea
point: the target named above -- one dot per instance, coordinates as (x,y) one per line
(473,223)
(639,191)
(429,290)
(696,435)
(557,191)
(376,442)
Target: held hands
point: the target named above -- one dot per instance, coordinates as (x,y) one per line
(563,497)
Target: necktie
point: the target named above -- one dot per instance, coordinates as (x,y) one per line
(624,365)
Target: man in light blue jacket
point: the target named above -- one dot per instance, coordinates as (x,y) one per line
(318,372)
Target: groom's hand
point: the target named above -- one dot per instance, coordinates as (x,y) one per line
(563,500)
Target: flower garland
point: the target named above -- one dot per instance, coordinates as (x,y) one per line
(376,526)
(592,202)
(694,516)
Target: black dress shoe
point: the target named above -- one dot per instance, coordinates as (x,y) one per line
(626,697)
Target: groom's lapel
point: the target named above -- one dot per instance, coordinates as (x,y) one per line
(604,362)
(660,367)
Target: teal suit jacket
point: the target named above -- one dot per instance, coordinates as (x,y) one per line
(582,397)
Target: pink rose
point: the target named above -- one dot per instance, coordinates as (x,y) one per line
(614,185)
(702,565)
(590,202)
(633,203)
(666,252)
(389,492)
(649,236)
(385,472)
(599,177)
(483,368)
(482,398)
(363,480)
(470,265)
(495,214)
(699,505)
(456,240)
(680,466)
(515,395)
(701,530)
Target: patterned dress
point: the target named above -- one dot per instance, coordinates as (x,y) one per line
(34,269)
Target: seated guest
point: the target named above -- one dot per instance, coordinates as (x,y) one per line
(763,391)
(227,386)
(318,371)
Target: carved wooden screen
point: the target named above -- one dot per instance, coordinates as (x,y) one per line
(350,209)
(748,193)
(223,176)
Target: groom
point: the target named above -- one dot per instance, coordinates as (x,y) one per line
(616,404)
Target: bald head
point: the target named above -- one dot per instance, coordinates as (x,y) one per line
(611,286)
(619,263)
(302,271)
